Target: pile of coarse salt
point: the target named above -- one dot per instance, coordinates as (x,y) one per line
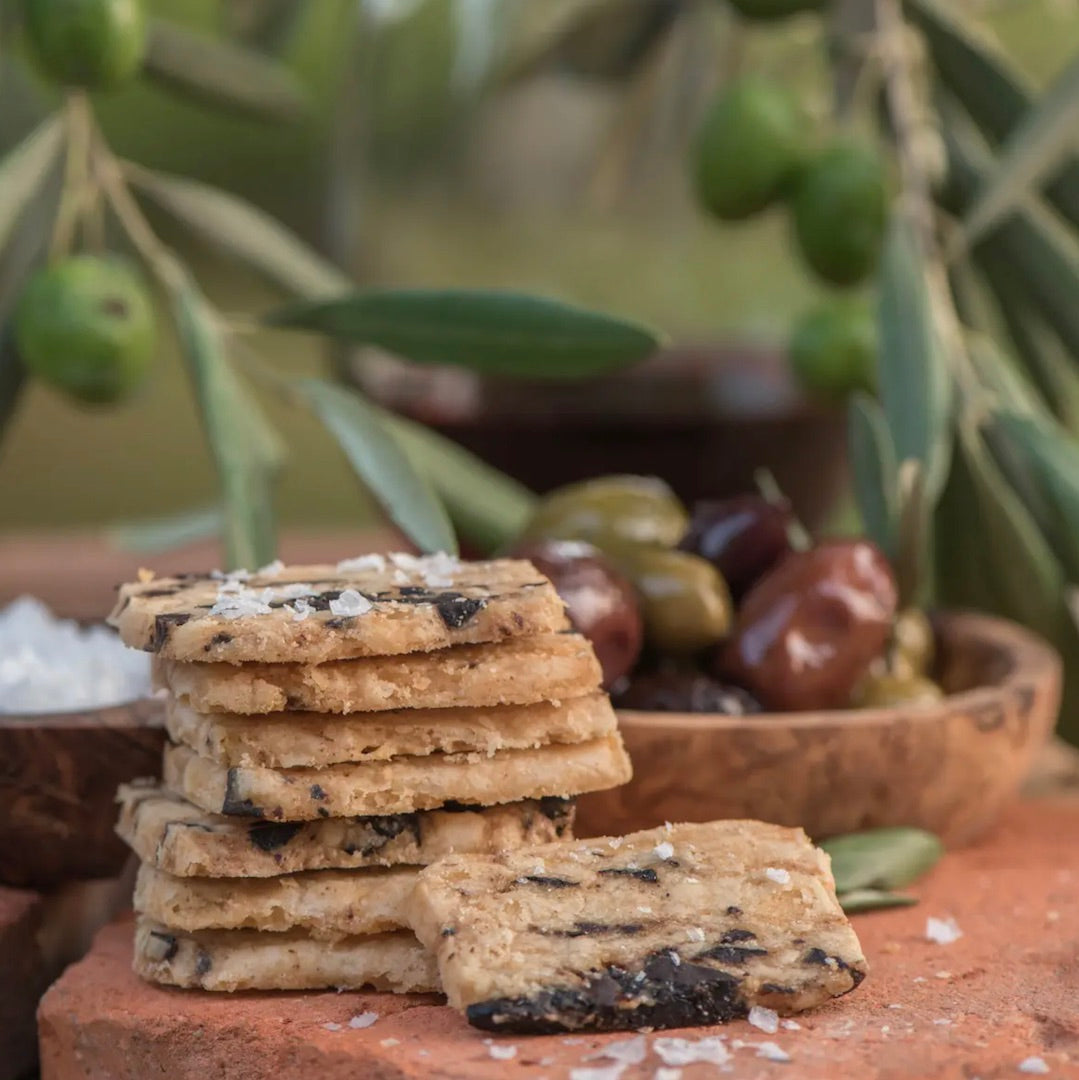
(50,665)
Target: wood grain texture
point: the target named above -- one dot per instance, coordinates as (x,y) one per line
(949,767)
(58,779)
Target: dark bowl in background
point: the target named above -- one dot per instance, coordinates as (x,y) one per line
(703,417)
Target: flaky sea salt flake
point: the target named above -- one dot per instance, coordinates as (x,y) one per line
(362,564)
(664,850)
(772,1052)
(778,875)
(502,1053)
(672,1050)
(790,1025)
(331,1026)
(942,931)
(665,1073)
(695,933)
(1035,1065)
(271,569)
(363,1020)
(350,603)
(599,1072)
(627,1051)
(765,1019)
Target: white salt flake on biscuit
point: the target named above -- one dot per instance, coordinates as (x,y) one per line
(665,850)
(362,563)
(350,602)
(779,876)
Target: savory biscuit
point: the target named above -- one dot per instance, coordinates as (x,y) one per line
(327,904)
(398,786)
(519,671)
(676,926)
(289,740)
(371,606)
(177,837)
(249,960)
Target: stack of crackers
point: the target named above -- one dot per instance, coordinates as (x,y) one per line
(333,730)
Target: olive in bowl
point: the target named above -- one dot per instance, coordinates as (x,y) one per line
(600,602)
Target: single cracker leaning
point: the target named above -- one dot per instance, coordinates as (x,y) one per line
(676,926)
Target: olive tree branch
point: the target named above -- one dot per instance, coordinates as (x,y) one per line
(917,198)
(78,181)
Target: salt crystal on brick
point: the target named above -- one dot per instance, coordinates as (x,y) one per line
(672,1050)
(772,1052)
(628,1051)
(1033,1065)
(350,602)
(778,875)
(362,564)
(363,1020)
(601,1072)
(942,931)
(765,1019)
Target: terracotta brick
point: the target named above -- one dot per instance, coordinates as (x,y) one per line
(23,977)
(1007,990)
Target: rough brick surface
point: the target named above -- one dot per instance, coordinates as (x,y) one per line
(23,976)
(1007,990)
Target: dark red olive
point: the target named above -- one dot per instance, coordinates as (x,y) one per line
(742,537)
(685,691)
(599,601)
(809,629)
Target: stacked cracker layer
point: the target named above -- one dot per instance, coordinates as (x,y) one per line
(332,730)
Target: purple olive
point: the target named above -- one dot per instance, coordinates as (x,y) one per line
(685,691)
(600,602)
(810,628)
(742,537)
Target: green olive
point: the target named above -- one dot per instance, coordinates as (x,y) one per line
(912,642)
(881,690)
(684,600)
(611,510)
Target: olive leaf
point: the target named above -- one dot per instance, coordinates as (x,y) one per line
(875,472)
(222,74)
(861,900)
(915,386)
(487,508)
(245,448)
(1053,458)
(1025,573)
(913,535)
(24,169)
(497,333)
(1034,149)
(886,858)
(607,41)
(992,91)
(1043,258)
(1045,360)
(243,232)
(380,462)
(151,536)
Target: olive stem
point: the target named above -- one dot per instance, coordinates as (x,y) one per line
(78,183)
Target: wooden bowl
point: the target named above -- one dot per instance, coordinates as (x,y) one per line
(949,767)
(58,778)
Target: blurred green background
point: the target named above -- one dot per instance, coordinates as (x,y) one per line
(502,194)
